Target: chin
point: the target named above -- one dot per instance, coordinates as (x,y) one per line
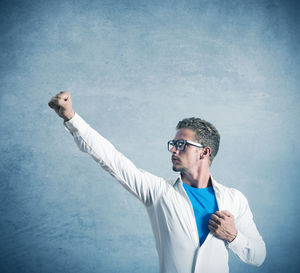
(178,169)
(175,169)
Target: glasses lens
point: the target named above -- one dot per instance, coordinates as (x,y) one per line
(180,145)
(170,145)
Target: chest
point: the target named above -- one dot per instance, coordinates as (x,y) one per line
(175,212)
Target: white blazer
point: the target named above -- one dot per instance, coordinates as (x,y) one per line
(171,213)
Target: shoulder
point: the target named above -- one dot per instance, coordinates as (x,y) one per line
(230,192)
(237,195)
(172,181)
(233,199)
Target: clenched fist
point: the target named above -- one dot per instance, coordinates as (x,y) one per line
(62,105)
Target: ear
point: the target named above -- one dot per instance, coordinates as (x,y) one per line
(206,152)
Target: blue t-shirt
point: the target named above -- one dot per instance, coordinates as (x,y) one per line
(204,204)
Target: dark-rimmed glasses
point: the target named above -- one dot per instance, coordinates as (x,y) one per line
(181,143)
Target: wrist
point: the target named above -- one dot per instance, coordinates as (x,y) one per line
(232,237)
(69,115)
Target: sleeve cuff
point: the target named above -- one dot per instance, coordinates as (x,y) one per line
(240,241)
(75,125)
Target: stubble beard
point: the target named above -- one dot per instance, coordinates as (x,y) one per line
(178,169)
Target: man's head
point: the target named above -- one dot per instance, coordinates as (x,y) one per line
(198,131)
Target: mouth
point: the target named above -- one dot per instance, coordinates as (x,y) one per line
(175,160)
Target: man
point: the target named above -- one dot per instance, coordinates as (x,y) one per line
(195,220)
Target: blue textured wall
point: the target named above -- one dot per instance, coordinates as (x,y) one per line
(134,69)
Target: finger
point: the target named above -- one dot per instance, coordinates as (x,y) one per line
(212,228)
(215,218)
(63,95)
(53,103)
(213,223)
(61,92)
(57,101)
(227,213)
(220,214)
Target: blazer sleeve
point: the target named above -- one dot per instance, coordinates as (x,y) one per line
(248,244)
(145,186)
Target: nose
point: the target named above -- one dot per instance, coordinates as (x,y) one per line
(174,150)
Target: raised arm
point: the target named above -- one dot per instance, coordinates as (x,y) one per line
(143,185)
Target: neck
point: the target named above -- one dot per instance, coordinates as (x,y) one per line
(199,179)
